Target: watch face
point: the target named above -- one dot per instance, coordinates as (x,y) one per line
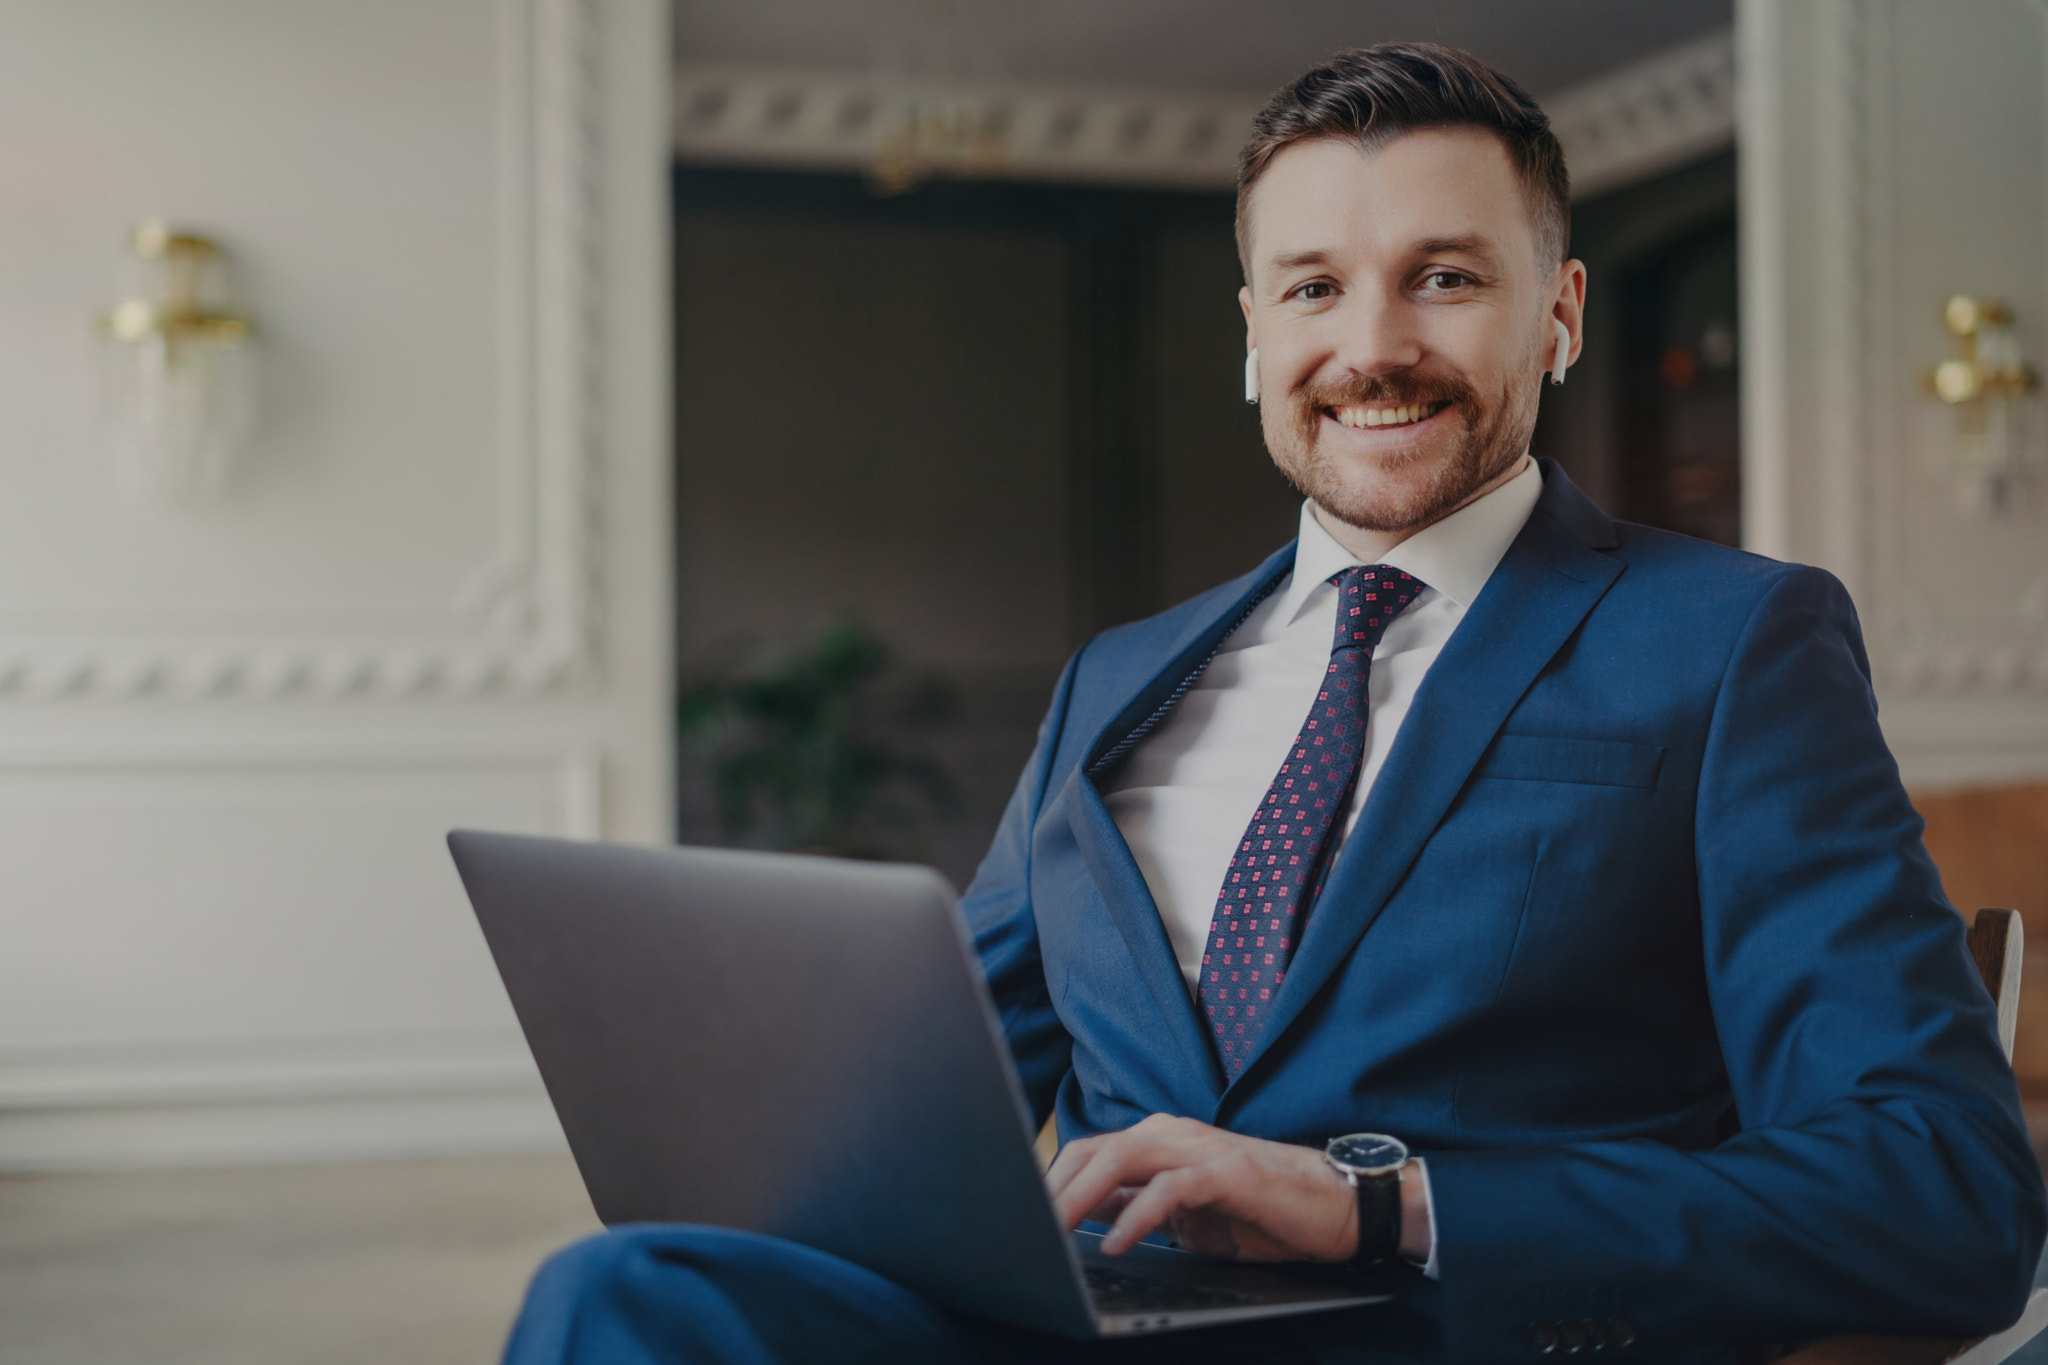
(1367,1153)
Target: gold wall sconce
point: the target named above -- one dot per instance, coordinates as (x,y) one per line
(178,382)
(1983,384)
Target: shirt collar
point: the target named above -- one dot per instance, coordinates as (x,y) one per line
(1454,556)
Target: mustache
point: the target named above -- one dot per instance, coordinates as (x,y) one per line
(1392,389)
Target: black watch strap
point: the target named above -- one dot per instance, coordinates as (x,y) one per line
(1379,1218)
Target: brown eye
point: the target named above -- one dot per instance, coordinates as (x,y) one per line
(1315,289)
(1442,281)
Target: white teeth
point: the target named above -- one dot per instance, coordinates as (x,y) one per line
(1356,415)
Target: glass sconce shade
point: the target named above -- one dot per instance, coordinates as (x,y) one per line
(178,381)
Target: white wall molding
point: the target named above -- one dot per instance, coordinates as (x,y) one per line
(381,1065)
(1942,746)
(379,1089)
(526,621)
(308,1130)
(233,929)
(1872,478)
(401,1094)
(1878,178)
(573,773)
(1763,181)
(1842,474)
(1624,126)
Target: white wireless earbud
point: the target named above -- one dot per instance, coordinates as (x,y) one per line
(1564,348)
(1251,376)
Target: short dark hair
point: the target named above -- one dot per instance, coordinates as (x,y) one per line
(1371,95)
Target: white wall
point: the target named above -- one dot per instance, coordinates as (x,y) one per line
(1895,152)
(232,737)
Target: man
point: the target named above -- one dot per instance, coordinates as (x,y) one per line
(1566,851)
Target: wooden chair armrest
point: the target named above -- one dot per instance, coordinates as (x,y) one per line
(1878,1350)
(1881,1350)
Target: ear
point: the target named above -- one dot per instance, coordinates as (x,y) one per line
(1244,303)
(1568,306)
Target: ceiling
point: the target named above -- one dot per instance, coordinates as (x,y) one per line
(1248,46)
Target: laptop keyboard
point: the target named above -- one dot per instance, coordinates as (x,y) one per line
(1114,1291)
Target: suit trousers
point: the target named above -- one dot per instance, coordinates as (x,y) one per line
(660,1294)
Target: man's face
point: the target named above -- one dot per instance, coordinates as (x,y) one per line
(1403,321)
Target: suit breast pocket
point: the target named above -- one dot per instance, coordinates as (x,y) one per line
(1592,762)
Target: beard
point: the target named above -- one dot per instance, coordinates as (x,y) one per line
(1405,489)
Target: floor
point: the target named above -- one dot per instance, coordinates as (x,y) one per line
(406,1262)
(409,1262)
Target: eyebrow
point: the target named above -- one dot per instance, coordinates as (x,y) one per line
(1295,260)
(1469,244)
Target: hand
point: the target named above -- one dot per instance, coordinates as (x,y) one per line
(1220,1194)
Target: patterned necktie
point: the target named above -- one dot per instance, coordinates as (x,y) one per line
(1280,867)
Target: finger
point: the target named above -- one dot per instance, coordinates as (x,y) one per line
(1071,1161)
(1130,1157)
(1119,1162)
(1123,1159)
(1108,1210)
(1184,1188)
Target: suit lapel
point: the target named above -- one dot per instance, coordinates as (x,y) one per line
(1108,858)
(1188,653)
(1540,592)
(1136,917)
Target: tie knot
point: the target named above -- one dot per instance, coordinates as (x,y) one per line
(1369,597)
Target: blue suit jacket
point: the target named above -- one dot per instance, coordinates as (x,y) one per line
(1635,939)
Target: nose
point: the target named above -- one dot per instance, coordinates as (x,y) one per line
(1375,335)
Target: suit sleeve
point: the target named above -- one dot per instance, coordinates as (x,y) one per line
(1881,1179)
(999,914)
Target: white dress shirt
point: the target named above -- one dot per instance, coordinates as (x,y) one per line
(1185,794)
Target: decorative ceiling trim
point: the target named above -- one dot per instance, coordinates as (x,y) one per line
(1621,127)
(799,119)
(526,621)
(1648,117)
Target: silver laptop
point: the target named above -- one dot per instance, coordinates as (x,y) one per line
(803,1047)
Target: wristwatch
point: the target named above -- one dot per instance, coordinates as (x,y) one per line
(1371,1164)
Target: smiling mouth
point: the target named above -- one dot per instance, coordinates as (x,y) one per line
(1383,414)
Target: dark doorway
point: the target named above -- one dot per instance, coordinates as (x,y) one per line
(1649,421)
(986,420)
(1680,412)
